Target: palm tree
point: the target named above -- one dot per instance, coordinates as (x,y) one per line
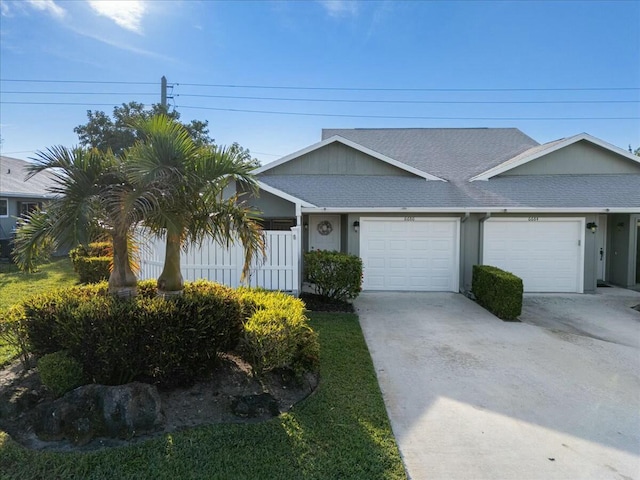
(90,193)
(191,181)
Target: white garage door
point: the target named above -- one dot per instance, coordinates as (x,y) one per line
(547,253)
(410,253)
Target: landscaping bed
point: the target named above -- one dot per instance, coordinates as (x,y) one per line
(341,431)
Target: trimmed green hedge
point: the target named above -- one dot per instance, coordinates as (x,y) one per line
(168,341)
(335,275)
(498,291)
(277,334)
(92,262)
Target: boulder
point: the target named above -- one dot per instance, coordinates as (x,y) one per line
(90,411)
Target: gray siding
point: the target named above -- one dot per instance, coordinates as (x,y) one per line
(581,158)
(271,206)
(336,159)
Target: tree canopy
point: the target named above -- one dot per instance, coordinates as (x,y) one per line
(120,132)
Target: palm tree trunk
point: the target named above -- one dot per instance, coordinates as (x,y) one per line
(170,281)
(122,281)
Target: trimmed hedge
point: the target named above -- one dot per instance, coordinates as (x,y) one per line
(92,262)
(168,341)
(171,341)
(335,275)
(498,291)
(277,334)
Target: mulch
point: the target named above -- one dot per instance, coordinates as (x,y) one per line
(317,303)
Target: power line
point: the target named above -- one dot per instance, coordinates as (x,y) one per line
(398,117)
(75,93)
(85,104)
(462,102)
(75,81)
(339,115)
(362,89)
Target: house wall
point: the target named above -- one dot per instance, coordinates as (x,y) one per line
(580,158)
(270,205)
(7,224)
(623,250)
(336,159)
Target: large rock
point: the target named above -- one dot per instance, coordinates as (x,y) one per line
(121,411)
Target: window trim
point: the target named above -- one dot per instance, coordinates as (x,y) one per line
(6,201)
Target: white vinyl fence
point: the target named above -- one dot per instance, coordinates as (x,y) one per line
(279,270)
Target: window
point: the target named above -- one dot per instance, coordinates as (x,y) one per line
(28,207)
(277,223)
(4,207)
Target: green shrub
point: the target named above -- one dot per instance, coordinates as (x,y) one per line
(498,291)
(171,341)
(93,269)
(92,262)
(335,275)
(41,314)
(60,373)
(13,332)
(276,333)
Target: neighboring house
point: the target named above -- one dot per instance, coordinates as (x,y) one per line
(17,195)
(422,206)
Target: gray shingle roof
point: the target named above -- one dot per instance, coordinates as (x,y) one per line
(13,184)
(450,153)
(557,191)
(368,191)
(544,191)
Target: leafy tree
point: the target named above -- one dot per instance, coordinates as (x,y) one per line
(191,179)
(90,192)
(120,132)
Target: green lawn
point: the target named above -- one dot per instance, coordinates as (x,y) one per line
(341,431)
(15,286)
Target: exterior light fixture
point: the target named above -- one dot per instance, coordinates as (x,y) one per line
(592,226)
(356,226)
(306,226)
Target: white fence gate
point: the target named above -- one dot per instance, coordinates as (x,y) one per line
(279,270)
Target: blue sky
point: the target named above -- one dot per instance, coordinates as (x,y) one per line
(429,60)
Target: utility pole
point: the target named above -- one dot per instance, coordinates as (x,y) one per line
(163,92)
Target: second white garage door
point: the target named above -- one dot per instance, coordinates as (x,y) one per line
(410,253)
(547,253)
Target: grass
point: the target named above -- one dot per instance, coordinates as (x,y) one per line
(16,286)
(341,431)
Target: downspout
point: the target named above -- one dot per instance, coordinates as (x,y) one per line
(463,259)
(299,240)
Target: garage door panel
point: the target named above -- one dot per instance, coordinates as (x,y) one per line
(424,258)
(547,254)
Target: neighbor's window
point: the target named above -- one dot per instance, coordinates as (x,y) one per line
(4,207)
(28,207)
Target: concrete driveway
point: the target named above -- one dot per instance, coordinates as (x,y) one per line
(472,397)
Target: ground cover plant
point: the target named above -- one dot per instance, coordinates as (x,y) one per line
(342,431)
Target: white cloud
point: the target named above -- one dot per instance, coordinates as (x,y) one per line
(4,9)
(126,13)
(340,8)
(48,6)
